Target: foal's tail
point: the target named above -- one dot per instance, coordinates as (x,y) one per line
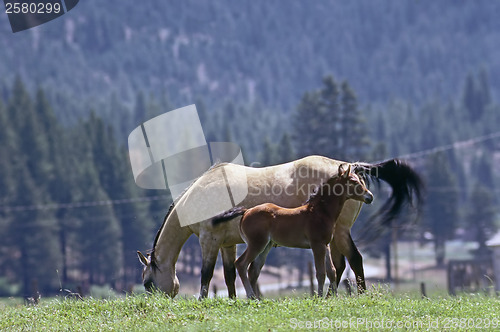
(228,215)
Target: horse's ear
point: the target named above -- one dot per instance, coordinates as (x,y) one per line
(348,171)
(343,173)
(144,260)
(341,170)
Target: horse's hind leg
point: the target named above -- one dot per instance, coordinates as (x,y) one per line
(242,266)
(228,258)
(345,244)
(356,262)
(256,267)
(338,261)
(242,263)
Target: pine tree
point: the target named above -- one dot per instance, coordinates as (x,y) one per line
(268,153)
(379,152)
(7,185)
(116,179)
(481,217)
(202,114)
(306,125)
(328,122)
(7,150)
(469,97)
(64,188)
(484,171)
(484,88)
(53,175)
(40,138)
(18,101)
(116,116)
(329,136)
(100,232)
(285,151)
(354,132)
(229,111)
(140,110)
(155,107)
(227,136)
(476,95)
(99,236)
(33,231)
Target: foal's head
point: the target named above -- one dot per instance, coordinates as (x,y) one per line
(350,185)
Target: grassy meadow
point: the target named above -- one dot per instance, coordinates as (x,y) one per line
(377,309)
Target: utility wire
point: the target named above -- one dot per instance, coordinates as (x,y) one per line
(455,145)
(57,206)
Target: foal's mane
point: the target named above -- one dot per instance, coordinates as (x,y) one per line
(318,192)
(321,189)
(152,251)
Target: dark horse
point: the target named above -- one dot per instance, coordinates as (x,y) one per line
(308,226)
(296,180)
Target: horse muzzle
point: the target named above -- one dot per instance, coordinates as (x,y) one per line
(368,197)
(148,286)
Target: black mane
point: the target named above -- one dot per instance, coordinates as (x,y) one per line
(152,251)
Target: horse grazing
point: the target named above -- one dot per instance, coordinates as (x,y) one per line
(308,226)
(294,182)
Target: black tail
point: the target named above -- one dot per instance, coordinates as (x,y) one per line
(406,185)
(228,215)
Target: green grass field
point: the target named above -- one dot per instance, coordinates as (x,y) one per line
(376,309)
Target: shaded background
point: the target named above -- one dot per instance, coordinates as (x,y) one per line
(352,81)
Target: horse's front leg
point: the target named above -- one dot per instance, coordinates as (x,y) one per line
(228,257)
(209,251)
(319,253)
(331,273)
(338,261)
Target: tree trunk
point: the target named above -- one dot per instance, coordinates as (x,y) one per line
(62,239)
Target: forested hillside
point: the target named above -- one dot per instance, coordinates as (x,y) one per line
(269,51)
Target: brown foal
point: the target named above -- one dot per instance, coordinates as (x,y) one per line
(308,226)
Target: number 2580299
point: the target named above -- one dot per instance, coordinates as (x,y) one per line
(32,8)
